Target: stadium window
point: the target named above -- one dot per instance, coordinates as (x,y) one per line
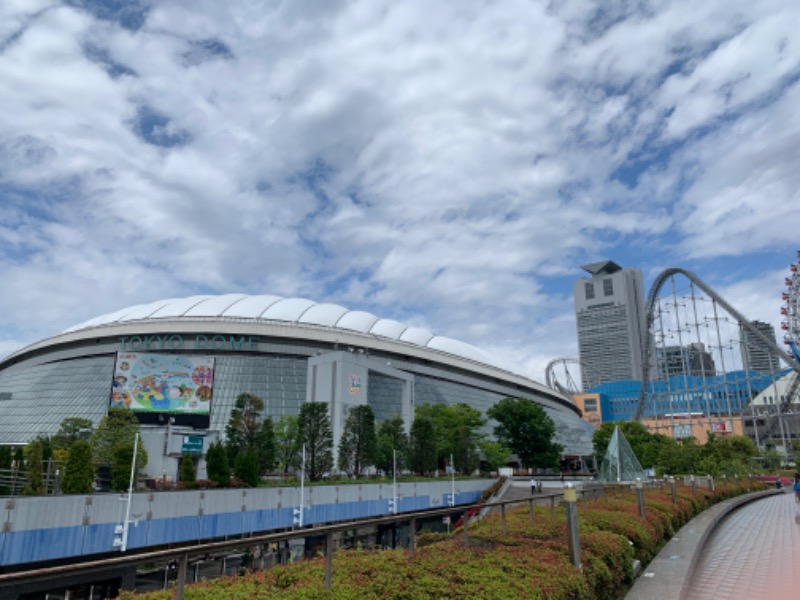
(608,287)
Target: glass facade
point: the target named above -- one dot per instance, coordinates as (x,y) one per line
(42,396)
(279,381)
(711,396)
(384,396)
(37,399)
(572,432)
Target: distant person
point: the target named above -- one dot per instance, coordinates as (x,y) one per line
(534,485)
(796,489)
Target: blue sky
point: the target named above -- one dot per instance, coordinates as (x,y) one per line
(450,165)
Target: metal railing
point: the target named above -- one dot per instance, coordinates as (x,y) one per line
(182,555)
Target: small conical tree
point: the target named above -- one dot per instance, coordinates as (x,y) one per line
(34,482)
(317,437)
(357,446)
(217,466)
(121,467)
(79,473)
(188,470)
(246,467)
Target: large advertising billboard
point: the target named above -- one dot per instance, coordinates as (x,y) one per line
(163,383)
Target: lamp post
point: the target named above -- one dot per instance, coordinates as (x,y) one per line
(394,482)
(573,534)
(127,522)
(640,496)
(452,482)
(298,512)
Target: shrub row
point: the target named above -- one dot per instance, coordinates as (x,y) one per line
(529,561)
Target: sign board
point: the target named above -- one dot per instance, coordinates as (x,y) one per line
(163,383)
(192,444)
(682,430)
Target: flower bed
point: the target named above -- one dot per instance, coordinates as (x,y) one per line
(530,561)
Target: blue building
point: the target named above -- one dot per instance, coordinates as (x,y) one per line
(720,395)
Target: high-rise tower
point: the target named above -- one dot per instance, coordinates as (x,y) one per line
(609,310)
(756,353)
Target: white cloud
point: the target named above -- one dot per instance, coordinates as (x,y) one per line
(447,164)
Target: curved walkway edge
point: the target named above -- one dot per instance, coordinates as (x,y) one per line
(671,569)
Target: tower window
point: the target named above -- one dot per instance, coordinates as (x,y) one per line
(608,287)
(589,291)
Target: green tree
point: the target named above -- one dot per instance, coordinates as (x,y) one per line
(34,480)
(79,471)
(670,458)
(119,427)
(495,454)
(6,459)
(72,430)
(247,429)
(19,458)
(265,446)
(315,434)
(422,446)
(121,462)
(47,447)
(466,453)
(287,444)
(357,445)
(455,430)
(727,455)
(217,465)
(391,439)
(524,427)
(188,474)
(246,467)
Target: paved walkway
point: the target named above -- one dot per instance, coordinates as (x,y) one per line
(747,547)
(753,553)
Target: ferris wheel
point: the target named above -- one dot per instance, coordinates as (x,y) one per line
(791,310)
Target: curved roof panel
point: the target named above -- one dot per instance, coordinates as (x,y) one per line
(356,320)
(102,319)
(294,310)
(323,314)
(388,328)
(288,309)
(178,308)
(417,336)
(251,307)
(214,306)
(144,311)
(459,348)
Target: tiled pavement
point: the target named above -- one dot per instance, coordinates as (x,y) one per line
(753,553)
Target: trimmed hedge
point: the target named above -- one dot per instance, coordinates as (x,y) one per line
(531,561)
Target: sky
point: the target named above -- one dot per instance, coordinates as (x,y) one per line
(450,165)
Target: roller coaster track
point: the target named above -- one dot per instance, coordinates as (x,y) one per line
(550,375)
(649,342)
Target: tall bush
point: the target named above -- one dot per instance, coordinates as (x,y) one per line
(246,467)
(34,482)
(188,474)
(217,466)
(79,473)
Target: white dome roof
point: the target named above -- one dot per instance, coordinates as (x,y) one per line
(299,311)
